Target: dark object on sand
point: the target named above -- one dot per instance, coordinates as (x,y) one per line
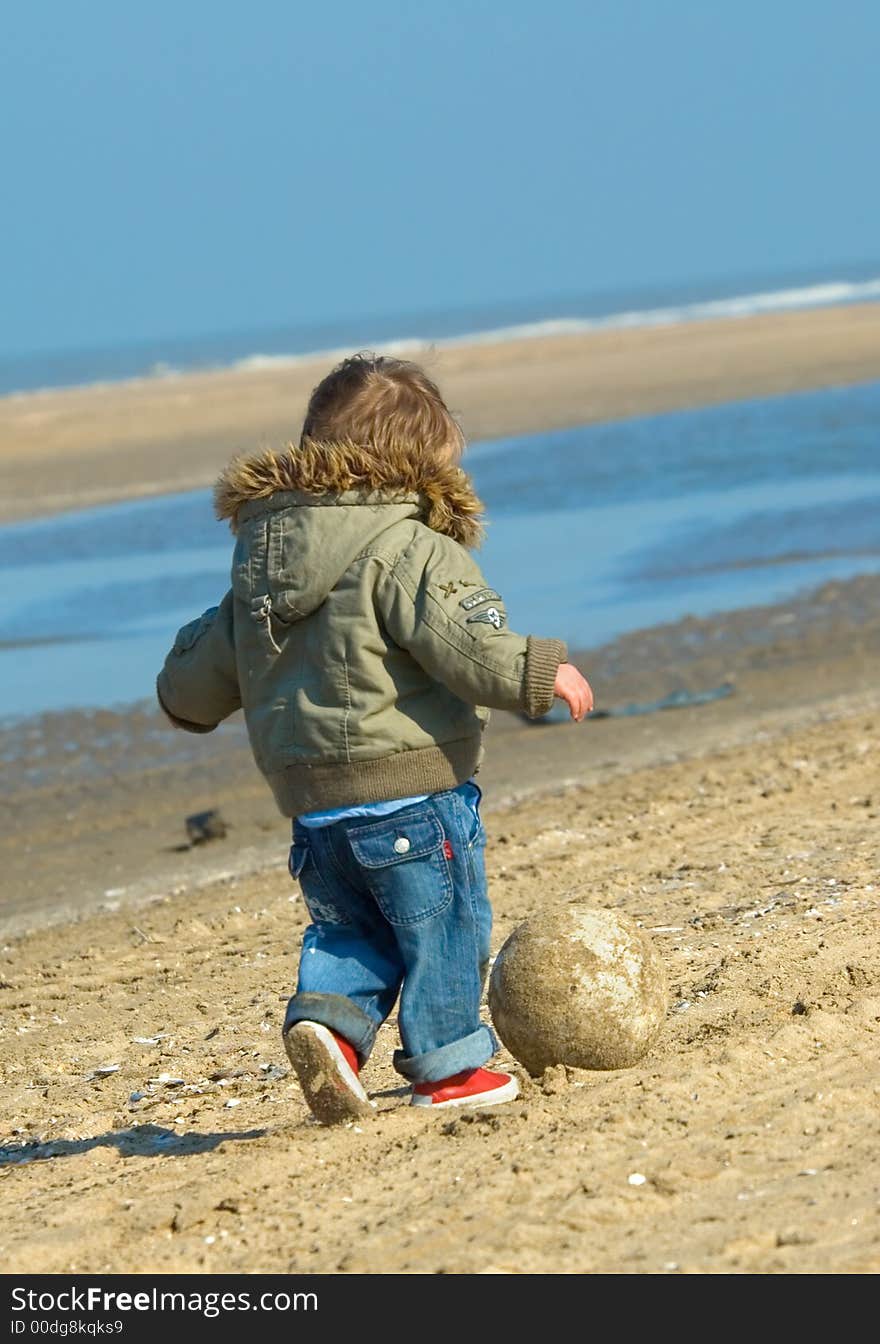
(677,700)
(204,826)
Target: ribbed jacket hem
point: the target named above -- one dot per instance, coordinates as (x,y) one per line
(304,788)
(543,657)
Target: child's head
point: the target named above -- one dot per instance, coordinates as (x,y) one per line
(386,406)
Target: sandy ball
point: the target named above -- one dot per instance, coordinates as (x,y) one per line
(578,986)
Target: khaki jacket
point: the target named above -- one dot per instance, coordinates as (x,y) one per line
(358,635)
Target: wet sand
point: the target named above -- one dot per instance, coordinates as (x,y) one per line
(70,448)
(96,801)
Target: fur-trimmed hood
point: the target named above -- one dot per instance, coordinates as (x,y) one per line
(328,472)
(303,514)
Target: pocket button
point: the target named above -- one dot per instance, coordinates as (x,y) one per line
(401,845)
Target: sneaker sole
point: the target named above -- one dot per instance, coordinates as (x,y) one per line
(507,1092)
(332,1090)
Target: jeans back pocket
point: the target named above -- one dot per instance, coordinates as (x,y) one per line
(404,862)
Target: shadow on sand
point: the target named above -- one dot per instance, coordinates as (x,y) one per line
(138,1141)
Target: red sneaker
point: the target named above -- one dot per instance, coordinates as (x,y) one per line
(472,1087)
(327,1068)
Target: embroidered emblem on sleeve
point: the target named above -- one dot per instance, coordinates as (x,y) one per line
(491,616)
(477,599)
(448,589)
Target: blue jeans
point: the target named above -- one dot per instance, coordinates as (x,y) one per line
(398,906)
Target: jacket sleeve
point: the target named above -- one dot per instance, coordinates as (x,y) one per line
(198,686)
(444,613)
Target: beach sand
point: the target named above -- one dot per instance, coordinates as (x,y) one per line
(754,867)
(69,448)
(741,833)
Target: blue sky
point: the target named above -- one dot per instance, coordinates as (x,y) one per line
(181,168)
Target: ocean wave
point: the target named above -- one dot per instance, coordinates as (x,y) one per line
(408,346)
(738,306)
(741,305)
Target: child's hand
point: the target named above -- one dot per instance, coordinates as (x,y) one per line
(574,689)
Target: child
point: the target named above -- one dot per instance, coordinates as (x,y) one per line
(364,644)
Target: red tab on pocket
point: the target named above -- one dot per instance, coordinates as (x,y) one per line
(447,849)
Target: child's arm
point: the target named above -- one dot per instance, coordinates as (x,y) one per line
(198,686)
(436,604)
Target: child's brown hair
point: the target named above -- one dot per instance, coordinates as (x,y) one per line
(373,424)
(383,404)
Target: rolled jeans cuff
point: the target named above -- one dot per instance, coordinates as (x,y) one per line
(339,1014)
(469,1053)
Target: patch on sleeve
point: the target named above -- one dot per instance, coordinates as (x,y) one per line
(477,599)
(491,616)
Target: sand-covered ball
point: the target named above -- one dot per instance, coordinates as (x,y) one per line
(578,986)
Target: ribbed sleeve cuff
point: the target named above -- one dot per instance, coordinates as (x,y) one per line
(543,657)
(187,724)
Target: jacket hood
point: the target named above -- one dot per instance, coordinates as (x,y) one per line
(314,468)
(303,514)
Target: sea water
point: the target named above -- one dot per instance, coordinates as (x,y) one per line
(593,532)
(411,333)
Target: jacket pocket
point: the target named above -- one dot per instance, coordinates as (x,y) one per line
(406,867)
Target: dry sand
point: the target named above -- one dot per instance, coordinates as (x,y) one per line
(753,1121)
(742,834)
(65,449)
